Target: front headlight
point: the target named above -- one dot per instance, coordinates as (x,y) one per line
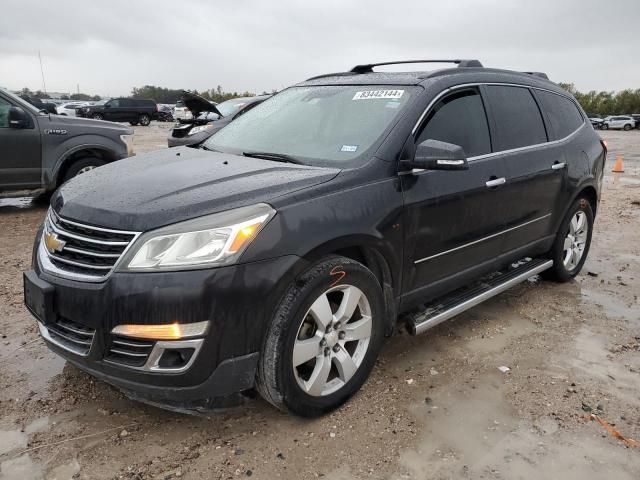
(201,128)
(128,141)
(212,240)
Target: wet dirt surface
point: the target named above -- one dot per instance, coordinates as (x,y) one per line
(436,406)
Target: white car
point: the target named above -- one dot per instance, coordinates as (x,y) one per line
(69,109)
(619,122)
(180,112)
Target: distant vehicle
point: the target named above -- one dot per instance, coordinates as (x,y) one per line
(165,113)
(619,122)
(69,109)
(209,118)
(597,122)
(40,105)
(42,151)
(133,110)
(180,112)
(636,118)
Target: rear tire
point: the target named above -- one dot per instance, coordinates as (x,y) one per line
(571,246)
(627,127)
(144,120)
(81,166)
(314,358)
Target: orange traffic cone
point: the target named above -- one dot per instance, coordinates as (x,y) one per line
(618,167)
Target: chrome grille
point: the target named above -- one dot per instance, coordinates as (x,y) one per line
(88,252)
(71,336)
(129,352)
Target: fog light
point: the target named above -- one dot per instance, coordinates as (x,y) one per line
(171,331)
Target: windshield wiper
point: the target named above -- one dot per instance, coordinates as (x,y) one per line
(276,157)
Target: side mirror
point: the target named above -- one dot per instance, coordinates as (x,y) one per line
(18,118)
(437,155)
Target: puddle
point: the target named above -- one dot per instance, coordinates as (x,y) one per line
(17,203)
(473,433)
(592,357)
(611,305)
(11,440)
(64,472)
(21,468)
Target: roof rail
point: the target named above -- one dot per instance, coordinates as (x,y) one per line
(337,74)
(368,68)
(538,74)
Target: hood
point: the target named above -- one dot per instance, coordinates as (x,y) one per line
(196,104)
(167,186)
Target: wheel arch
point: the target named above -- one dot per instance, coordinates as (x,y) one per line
(372,253)
(77,153)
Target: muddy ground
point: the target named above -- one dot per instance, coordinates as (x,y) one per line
(436,406)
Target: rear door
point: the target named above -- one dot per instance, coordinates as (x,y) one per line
(20,152)
(453,218)
(534,167)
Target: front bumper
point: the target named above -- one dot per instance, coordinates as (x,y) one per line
(238,301)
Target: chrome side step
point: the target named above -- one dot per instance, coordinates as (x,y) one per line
(450,306)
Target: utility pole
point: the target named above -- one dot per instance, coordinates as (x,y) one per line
(44,86)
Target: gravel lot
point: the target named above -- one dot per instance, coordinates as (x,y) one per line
(436,405)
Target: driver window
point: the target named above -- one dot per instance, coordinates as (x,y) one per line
(114,103)
(4,113)
(459,119)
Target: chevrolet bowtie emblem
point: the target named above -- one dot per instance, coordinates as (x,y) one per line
(53,243)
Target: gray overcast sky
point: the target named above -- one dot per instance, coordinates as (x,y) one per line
(108,47)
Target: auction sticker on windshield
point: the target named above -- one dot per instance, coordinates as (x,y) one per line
(373,94)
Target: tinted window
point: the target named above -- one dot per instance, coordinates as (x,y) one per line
(125,102)
(563,115)
(114,103)
(4,113)
(517,117)
(459,119)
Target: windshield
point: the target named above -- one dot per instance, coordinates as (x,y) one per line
(231,106)
(317,125)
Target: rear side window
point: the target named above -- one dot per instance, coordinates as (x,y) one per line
(517,117)
(459,119)
(563,115)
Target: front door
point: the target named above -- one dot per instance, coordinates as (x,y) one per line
(20,153)
(453,219)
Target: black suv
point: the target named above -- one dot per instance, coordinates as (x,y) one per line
(281,253)
(133,110)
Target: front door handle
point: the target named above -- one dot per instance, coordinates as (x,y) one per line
(496,182)
(558,166)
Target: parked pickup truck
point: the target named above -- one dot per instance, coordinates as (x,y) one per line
(41,151)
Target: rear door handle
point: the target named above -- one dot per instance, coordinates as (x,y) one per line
(496,182)
(558,166)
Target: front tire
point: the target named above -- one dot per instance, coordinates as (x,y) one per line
(324,338)
(81,166)
(97,116)
(571,246)
(144,120)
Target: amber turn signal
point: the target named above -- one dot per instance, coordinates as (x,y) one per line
(170,331)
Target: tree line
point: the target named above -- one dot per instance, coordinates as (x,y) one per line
(600,103)
(605,103)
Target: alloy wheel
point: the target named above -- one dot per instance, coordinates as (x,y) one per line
(332,340)
(575,241)
(85,169)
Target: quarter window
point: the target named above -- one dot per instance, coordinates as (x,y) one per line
(517,117)
(563,115)
(459,119)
